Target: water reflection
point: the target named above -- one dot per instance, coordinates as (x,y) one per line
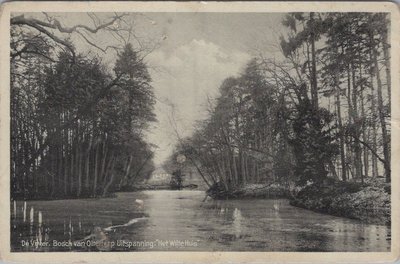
(180,220)
(274,225)
(237,222)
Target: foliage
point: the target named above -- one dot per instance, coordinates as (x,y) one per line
(77,127)
(314,144)
(321,112)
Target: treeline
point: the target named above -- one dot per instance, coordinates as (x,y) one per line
(76,124)
(322,111)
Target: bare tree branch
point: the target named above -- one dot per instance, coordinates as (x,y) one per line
(56,24)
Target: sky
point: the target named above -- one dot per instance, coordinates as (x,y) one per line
(195,53)
(198,51)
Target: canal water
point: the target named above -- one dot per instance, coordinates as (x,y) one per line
(184,221)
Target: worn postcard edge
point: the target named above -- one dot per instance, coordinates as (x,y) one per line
(192,257)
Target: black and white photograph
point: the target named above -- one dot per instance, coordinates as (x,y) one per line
(200,131)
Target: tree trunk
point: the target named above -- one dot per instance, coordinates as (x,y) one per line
(374,159)
(364,131)
(127,171)
(65,152)
(110,171)
(357,124)
(314,87)
(87,164)
(107,170)
(235,170)
(229,165)
(95,173)
(79,166)
(341,132)
(382,118)
(351,120)
(199,171)
(103,161)
(386,55)
(71,186)
(333,170)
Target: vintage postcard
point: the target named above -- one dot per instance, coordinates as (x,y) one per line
(199,132)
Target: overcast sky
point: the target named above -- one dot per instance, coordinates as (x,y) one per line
(198,51)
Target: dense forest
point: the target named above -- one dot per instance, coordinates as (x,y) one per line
(321,112)
(77,124)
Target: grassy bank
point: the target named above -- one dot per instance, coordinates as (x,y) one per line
(368,202)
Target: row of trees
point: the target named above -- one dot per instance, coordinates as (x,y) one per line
(77,126)
(324,110)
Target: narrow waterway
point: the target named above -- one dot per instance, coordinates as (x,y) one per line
(181,220)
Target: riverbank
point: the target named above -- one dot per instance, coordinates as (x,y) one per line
(368,202)
(47,197)
(135,188)
(266,191)
(149,187)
